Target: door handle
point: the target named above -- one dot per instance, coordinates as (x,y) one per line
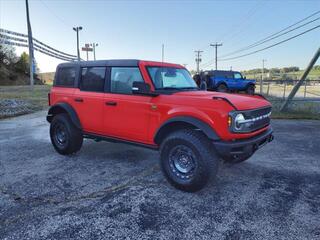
(78,99)
(111,103)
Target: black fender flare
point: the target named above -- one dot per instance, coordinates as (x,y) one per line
(64,107)
(203,126)
(250,84)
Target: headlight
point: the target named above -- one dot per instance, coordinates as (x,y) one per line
(238,121)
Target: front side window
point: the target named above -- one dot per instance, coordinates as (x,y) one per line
(122,79)
(237,76)
(171,78)
(92,79)
(66,77)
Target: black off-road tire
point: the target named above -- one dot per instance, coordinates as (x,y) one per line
(65,137)
(222,88)
(203,155)
(250,89)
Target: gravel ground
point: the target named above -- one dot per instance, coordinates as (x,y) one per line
(115,191)
(14,107)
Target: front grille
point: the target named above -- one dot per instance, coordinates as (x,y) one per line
(260,117)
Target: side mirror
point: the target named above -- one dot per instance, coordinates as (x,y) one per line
(244,77)
(142,88)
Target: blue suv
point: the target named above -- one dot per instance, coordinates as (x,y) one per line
(226,81)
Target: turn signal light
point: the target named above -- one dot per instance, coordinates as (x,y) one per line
(229,121)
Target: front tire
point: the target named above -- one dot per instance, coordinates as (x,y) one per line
(188,160)
(222,88)
(250,90)
(65,137)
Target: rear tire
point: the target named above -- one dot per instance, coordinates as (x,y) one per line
(188,160)
(222,88)
(65,137)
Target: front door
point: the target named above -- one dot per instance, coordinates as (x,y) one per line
(126,116)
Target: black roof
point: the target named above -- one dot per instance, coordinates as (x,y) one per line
(115,63)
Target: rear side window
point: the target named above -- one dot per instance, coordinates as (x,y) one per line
(123,77)
(218,74)
(229,75)
(66,77)
(92,79)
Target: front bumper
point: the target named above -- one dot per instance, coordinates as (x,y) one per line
(244,147)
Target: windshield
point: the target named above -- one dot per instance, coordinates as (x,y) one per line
(171,78)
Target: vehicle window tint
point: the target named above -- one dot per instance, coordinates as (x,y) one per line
(66,77)
(229,75)
(237,76)
(219,74)
(123,77)
(92,79)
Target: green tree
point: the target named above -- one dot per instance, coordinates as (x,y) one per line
(23,64)
(7,55)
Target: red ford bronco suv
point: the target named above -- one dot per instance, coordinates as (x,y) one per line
(159,106)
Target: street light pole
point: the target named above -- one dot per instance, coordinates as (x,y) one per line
(162,53)
(77,29)
(262,75)
(94,45)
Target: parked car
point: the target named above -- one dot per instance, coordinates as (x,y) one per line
(156,105)
(226,81)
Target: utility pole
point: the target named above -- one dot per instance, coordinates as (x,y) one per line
(198,59)
(303,78)
(262,75)
(77,29)
(162,53)
(30,44)
(94,45)
(87,49)
(216,45)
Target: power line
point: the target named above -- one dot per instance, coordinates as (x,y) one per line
(20,39)
(277,34)
(240,24)
(273,45)
(54,14)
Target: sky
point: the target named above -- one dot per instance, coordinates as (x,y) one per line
(137,29)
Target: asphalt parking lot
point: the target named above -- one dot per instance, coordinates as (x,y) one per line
(117,191)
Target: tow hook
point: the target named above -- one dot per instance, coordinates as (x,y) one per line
(271,138)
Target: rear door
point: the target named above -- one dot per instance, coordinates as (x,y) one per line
(125,115)
(88,99)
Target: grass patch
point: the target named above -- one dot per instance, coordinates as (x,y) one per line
(38,96)
(295,115)
(295,110)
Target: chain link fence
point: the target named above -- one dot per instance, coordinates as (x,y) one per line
(306,100)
